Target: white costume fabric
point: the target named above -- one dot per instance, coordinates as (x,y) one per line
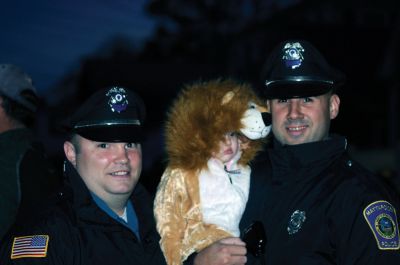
(223,195)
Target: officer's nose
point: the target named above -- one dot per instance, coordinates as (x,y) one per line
(121,154)
(294,109)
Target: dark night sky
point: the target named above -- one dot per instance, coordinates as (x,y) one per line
(48,38)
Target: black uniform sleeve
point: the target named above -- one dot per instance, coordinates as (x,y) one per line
(48,242)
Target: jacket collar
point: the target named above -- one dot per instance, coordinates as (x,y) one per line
(304,161)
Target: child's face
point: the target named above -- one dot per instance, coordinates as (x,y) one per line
(228,147)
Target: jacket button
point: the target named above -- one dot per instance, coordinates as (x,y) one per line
(349,163)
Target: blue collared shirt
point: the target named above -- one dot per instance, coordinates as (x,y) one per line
(132,220)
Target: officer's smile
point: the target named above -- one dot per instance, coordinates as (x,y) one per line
(121,173)
(296,130)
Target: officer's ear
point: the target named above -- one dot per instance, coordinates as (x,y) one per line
(70,152)
(334,103)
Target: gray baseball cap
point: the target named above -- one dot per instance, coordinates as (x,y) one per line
(13,82)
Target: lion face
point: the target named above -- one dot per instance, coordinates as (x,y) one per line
(254,126)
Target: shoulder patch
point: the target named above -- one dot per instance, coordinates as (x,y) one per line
(381,218)
(34,246)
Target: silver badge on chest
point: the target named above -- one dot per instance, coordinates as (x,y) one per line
(296,221)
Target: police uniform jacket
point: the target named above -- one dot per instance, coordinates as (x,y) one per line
(315,202)
(76,231)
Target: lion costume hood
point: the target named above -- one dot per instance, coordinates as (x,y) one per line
(202,113)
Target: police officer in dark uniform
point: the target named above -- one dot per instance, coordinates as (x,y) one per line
(317,205)
(102,215)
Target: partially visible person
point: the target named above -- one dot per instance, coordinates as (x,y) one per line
(27,174)
(102,215)
(317,204)
(213,131)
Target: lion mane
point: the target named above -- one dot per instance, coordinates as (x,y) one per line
(199,117)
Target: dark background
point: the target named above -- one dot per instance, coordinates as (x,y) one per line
(155,47)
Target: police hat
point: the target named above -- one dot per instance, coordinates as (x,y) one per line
(114,114)
(298,69)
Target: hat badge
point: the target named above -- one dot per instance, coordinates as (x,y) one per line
(117,99)
(293,54)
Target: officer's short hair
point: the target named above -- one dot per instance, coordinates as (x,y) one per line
(73,139)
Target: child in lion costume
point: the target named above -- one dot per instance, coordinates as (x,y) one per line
(213,130)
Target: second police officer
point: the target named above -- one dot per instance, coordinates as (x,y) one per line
(317,205)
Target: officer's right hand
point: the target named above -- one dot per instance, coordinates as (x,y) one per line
(227,251)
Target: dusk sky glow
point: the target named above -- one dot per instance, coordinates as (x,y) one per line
(49,38)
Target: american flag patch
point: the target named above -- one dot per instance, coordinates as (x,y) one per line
(30,246)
